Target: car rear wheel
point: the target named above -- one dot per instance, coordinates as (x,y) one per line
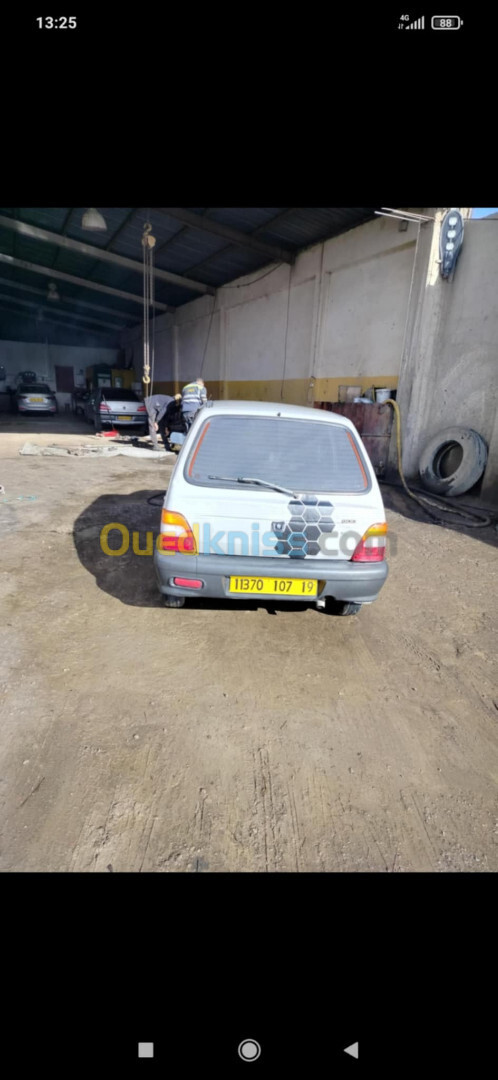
(342,607)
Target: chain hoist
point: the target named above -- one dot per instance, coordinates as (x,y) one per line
(148,244)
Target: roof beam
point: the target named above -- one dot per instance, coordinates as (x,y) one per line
(69,315)
(204,224)
(114,237)
(101,254)
(228,247)
(65,299)
(58,322)
(51,273)
(120,228)
(65,226)
(185,228)
(267,225)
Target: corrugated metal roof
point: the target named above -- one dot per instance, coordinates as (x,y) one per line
(212,258)
(246,219)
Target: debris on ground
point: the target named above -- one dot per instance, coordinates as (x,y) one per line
(93,450)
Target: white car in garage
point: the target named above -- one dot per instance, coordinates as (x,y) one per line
(117,407)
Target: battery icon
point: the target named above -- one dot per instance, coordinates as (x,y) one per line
(446,22)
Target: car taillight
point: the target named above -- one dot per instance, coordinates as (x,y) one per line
(372,546)
(176,534)
(141,408)
(188,583)
(104,408)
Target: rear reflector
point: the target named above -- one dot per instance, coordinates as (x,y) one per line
(187,583)
(372,546)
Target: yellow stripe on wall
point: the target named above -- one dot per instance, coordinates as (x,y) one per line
(291,391)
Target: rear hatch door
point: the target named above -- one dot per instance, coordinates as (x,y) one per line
(311,519)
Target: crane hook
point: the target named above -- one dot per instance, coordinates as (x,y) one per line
(147,239)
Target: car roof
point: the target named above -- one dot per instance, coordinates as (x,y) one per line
(274,408)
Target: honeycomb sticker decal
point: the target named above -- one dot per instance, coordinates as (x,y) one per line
(310,518)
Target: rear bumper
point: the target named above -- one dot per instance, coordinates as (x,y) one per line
(342,580)
(116,418)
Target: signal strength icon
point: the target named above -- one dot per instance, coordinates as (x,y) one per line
(419,24)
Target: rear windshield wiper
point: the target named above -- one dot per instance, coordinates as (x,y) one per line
(253,480)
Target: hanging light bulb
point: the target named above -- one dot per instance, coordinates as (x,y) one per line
(93,220)
(53,292)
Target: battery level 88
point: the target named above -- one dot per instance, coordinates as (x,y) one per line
(446,22)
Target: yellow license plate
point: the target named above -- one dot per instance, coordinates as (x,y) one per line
(37,399)
(273,586)
(123,418)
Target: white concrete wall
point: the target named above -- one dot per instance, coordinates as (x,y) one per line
(16,356)
(364,311)
(338,313)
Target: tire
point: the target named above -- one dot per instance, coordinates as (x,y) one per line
(453,461)
(342,607)
(174,601)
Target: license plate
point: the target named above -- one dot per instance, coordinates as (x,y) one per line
(274,586)
(35,399)
(125,418)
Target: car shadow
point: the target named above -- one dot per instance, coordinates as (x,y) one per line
(44,423)
(395,498)
(129,576)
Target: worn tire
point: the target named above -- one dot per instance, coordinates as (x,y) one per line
(453,461)
(342,607)
(174,601)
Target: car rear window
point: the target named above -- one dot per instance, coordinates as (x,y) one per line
(32,388)
(113,393)
(302,455)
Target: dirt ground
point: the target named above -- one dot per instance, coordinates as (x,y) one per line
(234,736)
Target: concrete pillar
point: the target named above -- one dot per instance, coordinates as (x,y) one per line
(447,332)
(176,358)
(316,333)
(425,309)
(223,354)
